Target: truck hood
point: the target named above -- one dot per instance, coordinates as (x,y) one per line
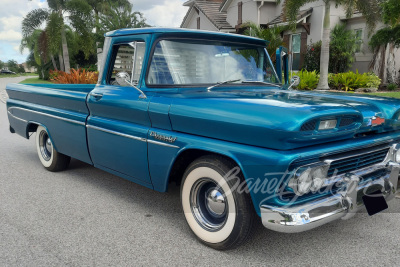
(280,119)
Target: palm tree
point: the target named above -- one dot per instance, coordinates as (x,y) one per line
(272,35)
(53,17)
(369,8)
(384,42)
(119,14)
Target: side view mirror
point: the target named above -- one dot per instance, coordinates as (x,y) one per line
(123,78)
(295,81)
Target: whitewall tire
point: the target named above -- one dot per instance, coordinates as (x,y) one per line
(219,216)
(49,157)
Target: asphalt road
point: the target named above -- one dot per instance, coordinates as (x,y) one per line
(87,217)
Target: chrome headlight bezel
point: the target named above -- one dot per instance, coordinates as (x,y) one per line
(309,178)
(396,154)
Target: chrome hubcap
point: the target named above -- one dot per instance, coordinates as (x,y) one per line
(45,146)
(208,204)
(216,202)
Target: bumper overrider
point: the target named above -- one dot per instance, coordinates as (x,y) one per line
(341,205)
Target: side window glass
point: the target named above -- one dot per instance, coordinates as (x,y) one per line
(128,59)
(138,61)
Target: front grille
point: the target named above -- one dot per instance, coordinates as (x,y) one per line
(309,126)
(357,162)
(346,121)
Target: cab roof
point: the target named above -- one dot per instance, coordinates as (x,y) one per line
(180,31)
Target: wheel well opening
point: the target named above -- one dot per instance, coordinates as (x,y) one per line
(185,159)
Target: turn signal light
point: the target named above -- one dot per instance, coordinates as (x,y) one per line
(327,125)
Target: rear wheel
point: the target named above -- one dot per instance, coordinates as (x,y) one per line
(50,158)
(219,215)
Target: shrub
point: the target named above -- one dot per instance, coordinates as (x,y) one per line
(342,47)
(308,80)
(373,80)
(90,68)
(312,57)
(349,81)
(75,77)
(392,87)
(53,74)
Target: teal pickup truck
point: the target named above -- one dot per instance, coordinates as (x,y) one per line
(210,112)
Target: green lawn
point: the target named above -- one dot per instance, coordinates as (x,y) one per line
(35,80)
(17,75)
(391,94)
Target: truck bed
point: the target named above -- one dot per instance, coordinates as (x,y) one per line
(57,106)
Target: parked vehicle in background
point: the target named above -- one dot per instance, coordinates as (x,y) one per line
(6,72)
(209,111)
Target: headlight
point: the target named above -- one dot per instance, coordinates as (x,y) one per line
(304,182)
(309,179)
(397,156)
(319,175)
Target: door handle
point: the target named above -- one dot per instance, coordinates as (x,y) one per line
(96,96)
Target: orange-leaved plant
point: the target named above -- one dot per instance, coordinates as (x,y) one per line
(79,76)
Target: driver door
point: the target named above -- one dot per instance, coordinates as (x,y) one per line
(118,123)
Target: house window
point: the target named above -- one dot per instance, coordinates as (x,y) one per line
(240,13)
(359,36)
(295,49)
(198,23)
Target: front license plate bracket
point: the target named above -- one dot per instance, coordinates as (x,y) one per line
(375,202)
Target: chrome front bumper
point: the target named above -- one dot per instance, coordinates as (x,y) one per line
(343,205)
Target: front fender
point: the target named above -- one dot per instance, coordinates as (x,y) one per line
(254,162)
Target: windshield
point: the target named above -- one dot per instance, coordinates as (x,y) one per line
(183,62)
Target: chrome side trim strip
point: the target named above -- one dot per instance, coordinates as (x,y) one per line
(161,144)
(117,133)
(130,136)
(15,117)
(48,115)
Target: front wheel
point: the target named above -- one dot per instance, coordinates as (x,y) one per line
(218,214)
(49,157)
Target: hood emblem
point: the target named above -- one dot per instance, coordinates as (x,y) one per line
(376,121)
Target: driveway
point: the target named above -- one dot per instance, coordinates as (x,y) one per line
(87,217)
(5,81)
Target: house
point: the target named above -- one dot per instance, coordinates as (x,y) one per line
(29,69)
(229,15)
(206,15)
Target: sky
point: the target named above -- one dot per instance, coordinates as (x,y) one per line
(162,13)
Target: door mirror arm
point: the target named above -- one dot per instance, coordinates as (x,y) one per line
(124,78)
(295,81)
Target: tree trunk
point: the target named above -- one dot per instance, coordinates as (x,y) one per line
(391,70)
(64,47)
(61,60)
(54,62)
(99,50)
(99,56)
(324,63)
(65,51)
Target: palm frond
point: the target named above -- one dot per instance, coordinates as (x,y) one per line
(34,20)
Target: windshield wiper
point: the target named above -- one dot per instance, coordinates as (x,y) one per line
(221,83)
(266,83)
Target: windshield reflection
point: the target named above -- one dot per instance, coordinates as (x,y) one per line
(183,62)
